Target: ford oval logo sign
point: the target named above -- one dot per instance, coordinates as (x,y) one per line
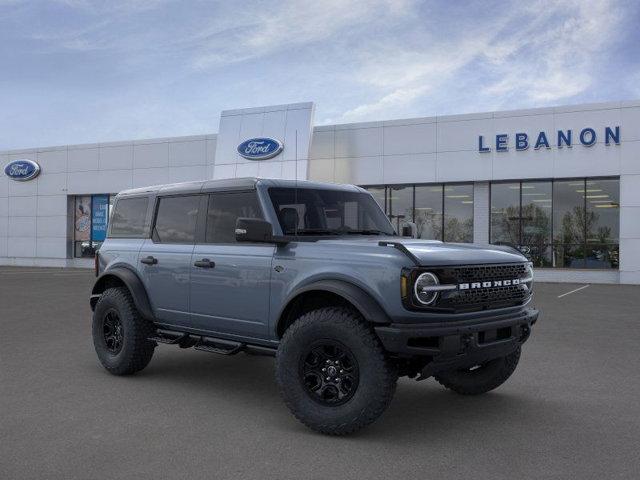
(260,148)
(22,170)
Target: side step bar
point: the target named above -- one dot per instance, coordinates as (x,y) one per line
(169,337)
(220,346)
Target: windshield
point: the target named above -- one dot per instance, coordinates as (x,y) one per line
(307,211)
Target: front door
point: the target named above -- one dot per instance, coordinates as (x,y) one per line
(165,259)
(230,281)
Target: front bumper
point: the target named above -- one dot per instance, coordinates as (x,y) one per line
(447,346)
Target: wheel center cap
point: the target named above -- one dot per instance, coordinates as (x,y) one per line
(332,370)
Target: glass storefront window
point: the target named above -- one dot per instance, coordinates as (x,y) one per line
(569,223)
(458,213)
(603,223)
(603,211)
(379,196)
(564,223)
(536,221)
(440,212)
(505,214)
(400,203)
(428,211)
(568,212)
(91,217)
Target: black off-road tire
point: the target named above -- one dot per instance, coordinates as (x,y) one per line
(482,379)
(135,350)
(376,374)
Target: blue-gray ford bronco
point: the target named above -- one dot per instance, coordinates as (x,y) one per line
(315,275)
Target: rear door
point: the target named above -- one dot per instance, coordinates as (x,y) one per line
(165,258)
(230,281)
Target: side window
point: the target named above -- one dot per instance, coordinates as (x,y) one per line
(224,209)
(176,219)
(128,217)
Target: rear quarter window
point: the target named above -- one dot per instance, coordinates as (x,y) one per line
(129,217)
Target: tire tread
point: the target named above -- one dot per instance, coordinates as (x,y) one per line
(386,375)
(139,356)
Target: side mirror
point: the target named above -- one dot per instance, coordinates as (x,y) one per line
(410,230)
(253,230)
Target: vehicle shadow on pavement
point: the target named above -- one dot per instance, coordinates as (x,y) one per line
(245,385)
(420,408)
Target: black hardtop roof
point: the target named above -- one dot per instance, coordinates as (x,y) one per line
(230,184)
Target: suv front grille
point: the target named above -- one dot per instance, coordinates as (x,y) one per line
(485,297)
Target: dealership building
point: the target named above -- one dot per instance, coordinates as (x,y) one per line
(562,184)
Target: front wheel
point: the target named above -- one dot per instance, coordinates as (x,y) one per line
(333,373)
(480,378)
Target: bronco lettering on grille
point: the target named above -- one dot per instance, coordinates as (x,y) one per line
(488,284)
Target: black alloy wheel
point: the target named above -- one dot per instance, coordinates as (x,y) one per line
(329,372)
(333,372)
(112,331)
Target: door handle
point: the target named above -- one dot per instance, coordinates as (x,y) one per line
(149,260)
(204,263)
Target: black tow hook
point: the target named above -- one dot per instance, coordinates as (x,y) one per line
(526,331)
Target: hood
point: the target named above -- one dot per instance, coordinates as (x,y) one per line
(435,253)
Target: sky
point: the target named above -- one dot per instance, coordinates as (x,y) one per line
(80,71)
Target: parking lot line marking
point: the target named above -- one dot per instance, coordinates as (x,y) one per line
(573,291)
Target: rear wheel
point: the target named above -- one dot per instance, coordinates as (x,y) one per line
(333,373)
(480,378)
(120,334)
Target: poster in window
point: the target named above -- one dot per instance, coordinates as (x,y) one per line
(99,217)
(82,229)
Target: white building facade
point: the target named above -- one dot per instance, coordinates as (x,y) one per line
(562,184)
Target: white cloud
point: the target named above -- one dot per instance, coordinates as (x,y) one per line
(404,77)
(288,24)
(398,98)
(554,63)
(160,68)
(543,52)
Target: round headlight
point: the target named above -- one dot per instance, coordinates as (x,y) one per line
(528,280)
(422,291)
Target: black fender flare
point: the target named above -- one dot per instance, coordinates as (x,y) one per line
(368,307)
(133,283)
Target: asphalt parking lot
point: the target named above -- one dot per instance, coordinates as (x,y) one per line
(571,410)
